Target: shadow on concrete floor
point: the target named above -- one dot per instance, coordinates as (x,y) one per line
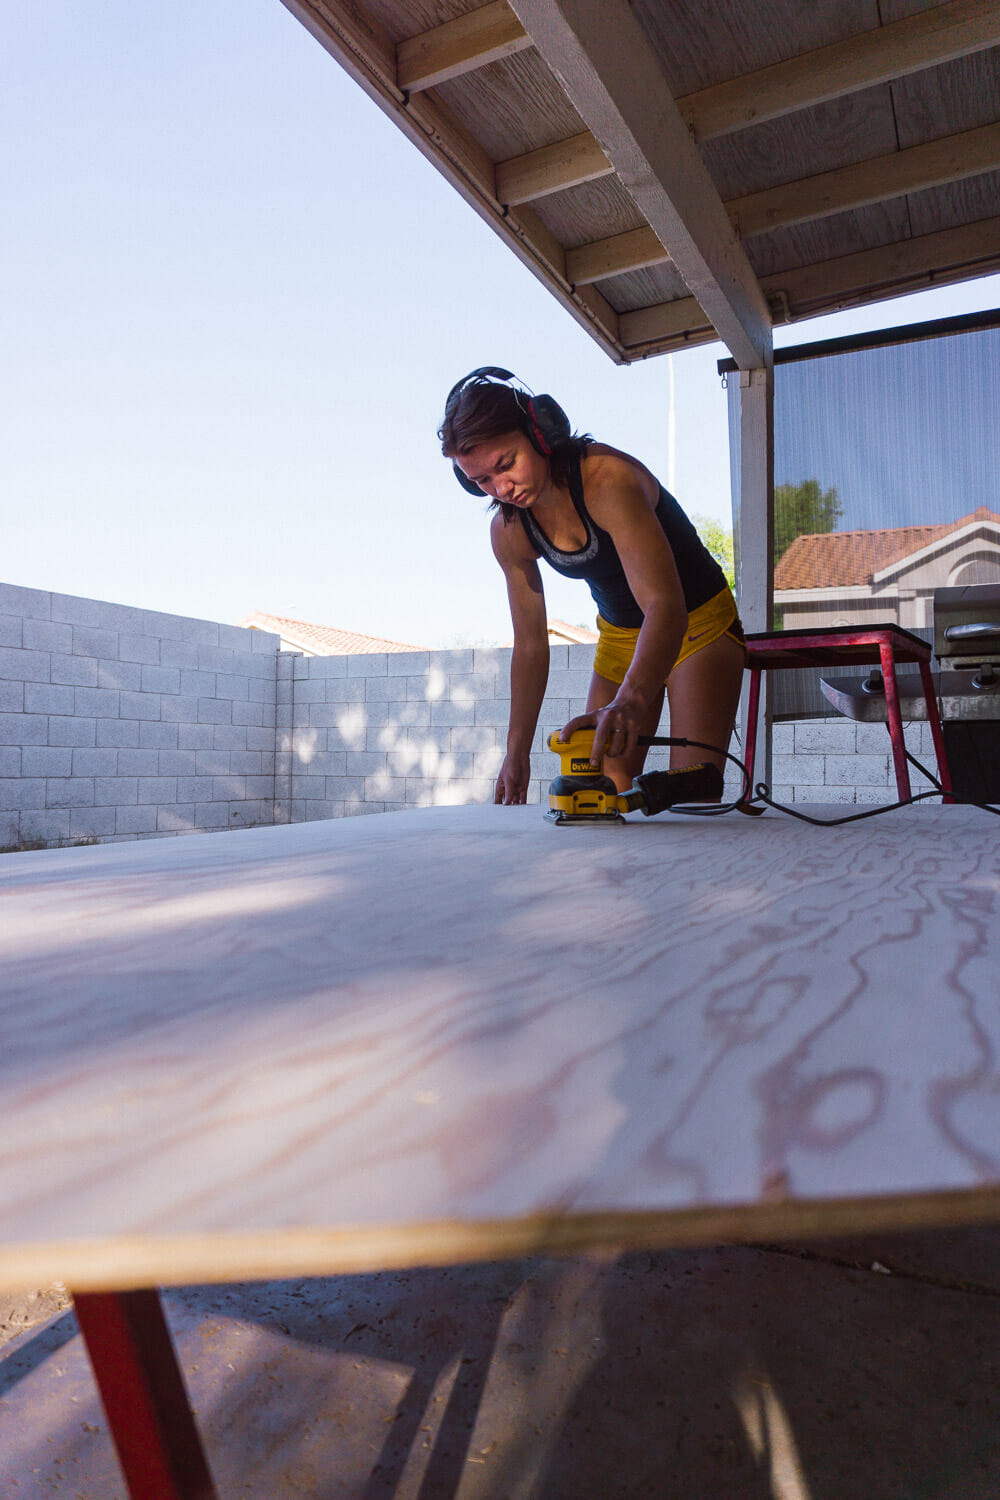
(731,1373)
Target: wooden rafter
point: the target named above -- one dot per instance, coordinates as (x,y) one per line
(550,169)
(613,78)
(470,41)
(920,41)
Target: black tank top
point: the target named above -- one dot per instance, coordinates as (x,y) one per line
(598,564)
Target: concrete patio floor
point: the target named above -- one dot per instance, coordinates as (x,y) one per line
(864,1368)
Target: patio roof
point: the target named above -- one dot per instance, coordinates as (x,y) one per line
(676,172)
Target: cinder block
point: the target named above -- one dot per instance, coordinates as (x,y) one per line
(145,650)
(75,671)
(386,689)
(46,635)
(197,684)
(89,762)
(364,762)
(22,791)
(160,679)
(97,703)
(366,665)
(232,685)
(178,709)
(50,827)
(248,713)
(494,659)
(142,706)
(450,662)
(874,796)
(194,789)
(116,791)
(89,640)
(180,654)
(215,659)
(260,737)
(45,698)
(137,763)
(257,788)
(445,715)
(783,738)
(307,788)
(76,791)
(798,770)
(382,786)
(212,762)
(71,730)
(215,711)
(24,666)
(173,762)
(135,819)
(91,822)
(229,737)
(346,790)
(177,818)
(10,828)
(10,760)
(265,642)
(211,815)
(229,788)
(154,735)
(342,690)
(838,794)
(572,683)
(158,789)
(12,697)
(487,763)
(33,604)
(119,674)
(263,690)
(178,628)
(195,736)
(857,770)
(823,737)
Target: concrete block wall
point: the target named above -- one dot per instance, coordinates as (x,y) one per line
(838,760)
(120,723)
(416,729)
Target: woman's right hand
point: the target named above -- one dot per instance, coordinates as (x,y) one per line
(512,783)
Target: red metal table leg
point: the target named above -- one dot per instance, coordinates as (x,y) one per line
(934,719)
(895,720)
(143,1393)
(753,704)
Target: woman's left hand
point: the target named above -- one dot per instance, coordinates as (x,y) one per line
(616,727)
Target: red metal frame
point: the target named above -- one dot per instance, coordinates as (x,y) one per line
(143,1393)
(886,644)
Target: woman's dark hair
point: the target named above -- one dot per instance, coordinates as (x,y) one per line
(482,410)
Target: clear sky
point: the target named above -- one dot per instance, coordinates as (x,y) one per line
(235,298)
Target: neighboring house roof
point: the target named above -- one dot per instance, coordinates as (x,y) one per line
(849,558)
(321,640)
(561,634)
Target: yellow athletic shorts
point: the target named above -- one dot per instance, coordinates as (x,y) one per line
(706,624)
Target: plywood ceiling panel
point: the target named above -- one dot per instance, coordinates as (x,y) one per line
(959,95)
(955,203)
(699,46)
(512,107)
(404,21)
(835,134)
(646,288)
(589,212)
(826,239)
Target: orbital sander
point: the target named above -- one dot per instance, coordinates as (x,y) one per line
(581,793)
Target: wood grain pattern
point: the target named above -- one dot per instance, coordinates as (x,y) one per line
(461,1032)
(456,47)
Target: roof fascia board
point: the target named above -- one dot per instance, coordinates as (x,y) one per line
(613,78)
(859,62)
(471,41)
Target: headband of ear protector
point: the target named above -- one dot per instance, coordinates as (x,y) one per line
(545,423)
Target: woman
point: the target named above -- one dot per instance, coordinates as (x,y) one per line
(667,619)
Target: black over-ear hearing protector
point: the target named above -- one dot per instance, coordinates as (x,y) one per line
(545,423)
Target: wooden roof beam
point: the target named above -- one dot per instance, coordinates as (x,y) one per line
(471,41)
(613,78)
(919,41)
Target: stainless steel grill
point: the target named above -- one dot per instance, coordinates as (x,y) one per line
(967,647)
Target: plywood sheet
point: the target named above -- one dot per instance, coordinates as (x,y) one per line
(460,1033)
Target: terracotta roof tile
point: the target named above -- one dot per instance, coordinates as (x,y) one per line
(322,640)
(841,558)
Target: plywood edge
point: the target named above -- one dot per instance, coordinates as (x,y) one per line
(124,1262)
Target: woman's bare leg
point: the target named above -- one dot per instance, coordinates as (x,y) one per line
(704,695)
(623,769)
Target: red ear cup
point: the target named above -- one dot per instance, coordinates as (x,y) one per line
(537,435)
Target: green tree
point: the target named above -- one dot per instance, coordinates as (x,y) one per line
(719,542)
(802,510)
